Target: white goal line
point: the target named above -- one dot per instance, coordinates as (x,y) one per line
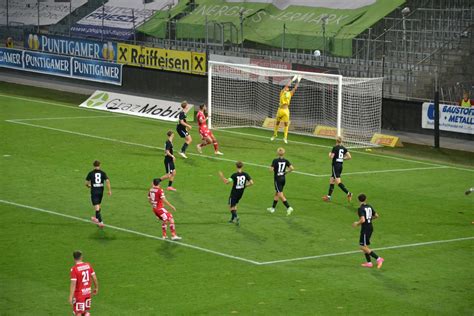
(221,254)
(215,157)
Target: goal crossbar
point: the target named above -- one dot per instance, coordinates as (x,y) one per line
(238,95)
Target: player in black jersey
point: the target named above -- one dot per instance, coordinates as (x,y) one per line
(240,180)
(280,167)
(95,181)
(169,162)
(182,129)
(366,215)
(338,154)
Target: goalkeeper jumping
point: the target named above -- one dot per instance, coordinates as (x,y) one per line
(283,114)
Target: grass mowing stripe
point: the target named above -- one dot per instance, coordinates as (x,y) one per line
(211,157)
(37,209)
(224,130)
(231,256)
(358,251)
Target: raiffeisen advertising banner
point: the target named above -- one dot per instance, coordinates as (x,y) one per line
(70,46)
(137,106)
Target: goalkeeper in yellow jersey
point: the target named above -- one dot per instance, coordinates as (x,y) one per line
(283,114)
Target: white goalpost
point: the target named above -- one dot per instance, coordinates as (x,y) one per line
(246,95)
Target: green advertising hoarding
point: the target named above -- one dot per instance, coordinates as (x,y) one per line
(264,21)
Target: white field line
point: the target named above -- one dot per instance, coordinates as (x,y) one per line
(352,151)
(37,209)
(227,131)
(211,157)
(64,118)
(358,251)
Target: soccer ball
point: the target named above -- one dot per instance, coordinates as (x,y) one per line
(317,53)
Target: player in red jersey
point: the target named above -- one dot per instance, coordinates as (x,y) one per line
(156,197)
(80,290)
(206,135)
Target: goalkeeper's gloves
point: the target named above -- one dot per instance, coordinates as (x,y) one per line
(299,79)
(294,78)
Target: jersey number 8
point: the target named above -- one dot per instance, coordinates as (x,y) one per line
(98,178)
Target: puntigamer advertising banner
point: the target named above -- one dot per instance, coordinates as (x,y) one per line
(163,59)
(137,106)
(64,66)
(452,118)
(73,47)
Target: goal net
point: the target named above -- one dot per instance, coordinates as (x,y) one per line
(246,95)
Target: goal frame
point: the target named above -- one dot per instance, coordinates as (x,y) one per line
(292,72)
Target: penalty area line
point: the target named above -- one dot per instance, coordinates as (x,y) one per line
(211,157)
(427,243)
(41,210)
(221,254)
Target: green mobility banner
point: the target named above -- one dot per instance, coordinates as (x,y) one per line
(301,21)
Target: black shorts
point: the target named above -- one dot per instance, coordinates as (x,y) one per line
(169,165)
(279,184)
(96,198)
(182,132)
(336,170)
(234,198)
(364,239)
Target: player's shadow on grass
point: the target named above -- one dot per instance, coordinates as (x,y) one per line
(248,234)
(350,207)
(294,226)
(167,249)
(102,235)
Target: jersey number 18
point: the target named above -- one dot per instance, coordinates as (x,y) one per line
(240,182)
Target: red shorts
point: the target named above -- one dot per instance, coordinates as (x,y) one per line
(81,304)
(205,133)
(163,214)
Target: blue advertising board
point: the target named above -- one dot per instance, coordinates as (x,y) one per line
(11,58)
(64,66)
(61,45)
(47,63)
(96,70)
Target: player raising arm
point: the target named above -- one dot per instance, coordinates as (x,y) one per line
(283,113)
(182,129)
(207,137)
(80,290)
(338,154)
(240,180)
(280,167)
(156,197)
(366,215)
(95,181)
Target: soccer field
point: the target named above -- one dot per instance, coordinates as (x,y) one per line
(272,264)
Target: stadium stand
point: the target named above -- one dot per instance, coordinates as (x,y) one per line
(403,46)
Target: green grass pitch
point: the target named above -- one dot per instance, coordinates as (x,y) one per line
(47,146)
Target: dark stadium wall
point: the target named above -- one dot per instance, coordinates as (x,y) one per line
(397,115)
(403,115)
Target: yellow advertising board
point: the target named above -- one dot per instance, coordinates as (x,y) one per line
(163,59)
(270,123)
(386,140)
(326,131)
